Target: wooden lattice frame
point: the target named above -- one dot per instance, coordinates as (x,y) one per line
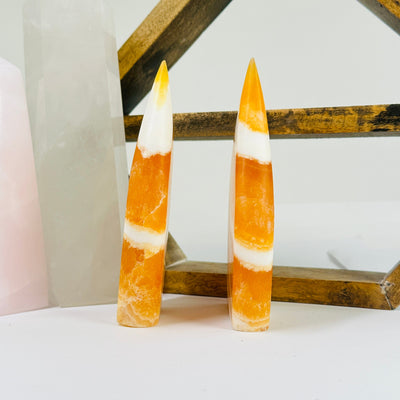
(160,37)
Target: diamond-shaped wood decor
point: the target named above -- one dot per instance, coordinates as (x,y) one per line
(166,33)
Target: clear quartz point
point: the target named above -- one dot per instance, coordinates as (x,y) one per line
(75,106)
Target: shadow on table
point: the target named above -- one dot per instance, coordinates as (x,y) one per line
(213,312)
(297,316)
(209,311)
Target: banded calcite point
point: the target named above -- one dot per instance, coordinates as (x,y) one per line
(145,232)
(251,222)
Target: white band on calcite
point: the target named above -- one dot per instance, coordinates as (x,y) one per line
(255,260)
(157,118)
(242,323)
(251,144)
(142,237)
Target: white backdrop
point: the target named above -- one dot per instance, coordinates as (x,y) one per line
(338,201)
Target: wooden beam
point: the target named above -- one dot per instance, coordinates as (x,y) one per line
(167,32)
(300,285)
(387,10)
(196,278)
(391,285)
(326,122)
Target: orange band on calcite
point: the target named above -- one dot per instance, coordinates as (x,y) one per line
(251,297)
(251,213)
(145,231)
(254,204)
(147,203)
(141,282)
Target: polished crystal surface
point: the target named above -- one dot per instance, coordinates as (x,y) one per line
(146,226)
(23,280)
(78,139)
(251,222)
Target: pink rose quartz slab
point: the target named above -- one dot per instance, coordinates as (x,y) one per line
(23,277)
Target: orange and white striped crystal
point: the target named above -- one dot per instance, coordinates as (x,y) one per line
(145,232)
(251,222)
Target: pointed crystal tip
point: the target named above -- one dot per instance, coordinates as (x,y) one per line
(252,107)
(161,84)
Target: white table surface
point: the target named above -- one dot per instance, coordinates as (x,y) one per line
(310,352)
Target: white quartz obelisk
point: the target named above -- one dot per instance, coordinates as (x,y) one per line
(23,277)
(75,106)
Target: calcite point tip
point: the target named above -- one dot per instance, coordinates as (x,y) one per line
(252,107)
(161,83)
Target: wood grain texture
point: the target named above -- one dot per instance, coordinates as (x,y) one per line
(323,122)
(387,10)
(391,284)
(196,278)
(330,287)
(293,284)
(167,32)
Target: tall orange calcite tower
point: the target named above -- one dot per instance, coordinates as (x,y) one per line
(145,232)
(251,222)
